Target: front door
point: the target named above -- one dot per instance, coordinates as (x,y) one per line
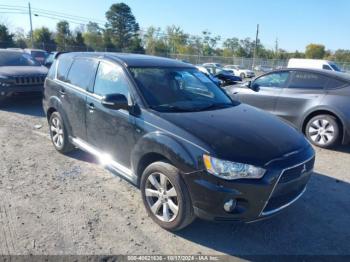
(110,131)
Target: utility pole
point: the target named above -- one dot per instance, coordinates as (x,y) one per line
(276,47)
(256,45)
(31,25)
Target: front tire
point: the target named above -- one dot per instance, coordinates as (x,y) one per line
(165,196)
(242,75)
(323,131)
(59,134)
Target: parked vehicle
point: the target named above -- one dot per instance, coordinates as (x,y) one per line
(315,101)
(19,73)
(217,65)
(226,77)
(167,128)
(240,71)
(216,80)
(49,59)
(38,54)
(263,69)
(313,64)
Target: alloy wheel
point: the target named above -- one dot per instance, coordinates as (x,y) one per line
(57,132)
(321,131)
(161,197)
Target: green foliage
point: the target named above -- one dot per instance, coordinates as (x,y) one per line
(123,28)
(63,36)
(93,37)
(43,39)
(315,51)
(6,39)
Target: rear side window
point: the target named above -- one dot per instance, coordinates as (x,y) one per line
(307,80)
(63,66)
(335,83)
(326,67)
(82,72)
(110,79)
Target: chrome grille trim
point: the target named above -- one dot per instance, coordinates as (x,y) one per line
(29,80)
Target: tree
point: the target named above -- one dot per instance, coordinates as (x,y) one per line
(6,39)
(93,37)
(123,27)
(63,36)
(315,51)
(209,43)
(21,41)
(79,44)
(42,38)
(155,42)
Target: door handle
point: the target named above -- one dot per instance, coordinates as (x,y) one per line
(91,107)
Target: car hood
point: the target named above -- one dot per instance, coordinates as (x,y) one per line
(8,71)
(241,133)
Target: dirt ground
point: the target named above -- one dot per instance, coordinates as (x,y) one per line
(55,204)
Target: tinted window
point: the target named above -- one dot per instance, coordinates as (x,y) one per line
(272,80)
(335,83)
(8,58)
(63,66)
(82,72)
(307,80)
(326,67)
(52,71)
(110,80)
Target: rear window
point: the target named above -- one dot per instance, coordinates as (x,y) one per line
(82,72)
(307,80)
(64,64)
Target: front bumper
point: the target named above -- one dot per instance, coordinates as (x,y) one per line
(283,184)
(21,89)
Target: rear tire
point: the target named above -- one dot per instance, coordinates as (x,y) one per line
(59,134)
(242,75)
(166,197)
(323,131)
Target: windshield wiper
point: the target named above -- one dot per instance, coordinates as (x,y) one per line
(216,106)
(169,108)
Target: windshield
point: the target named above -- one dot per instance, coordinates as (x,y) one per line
(335,67)
(179,89)
(17,59)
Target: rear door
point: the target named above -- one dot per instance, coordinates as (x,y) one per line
(267,90)
(72,92)
(304,91)
(111,131)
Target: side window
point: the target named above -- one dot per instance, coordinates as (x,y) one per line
(82,72)
(63,66)
(272,80)
(335,83)
(307,80)
(326,67)
(52,72)
(110,80)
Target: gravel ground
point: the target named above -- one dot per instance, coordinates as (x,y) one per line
(55,204)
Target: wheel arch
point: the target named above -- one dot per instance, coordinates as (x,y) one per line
(161,147)
(55,105)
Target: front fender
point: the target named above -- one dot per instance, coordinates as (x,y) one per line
(170,148)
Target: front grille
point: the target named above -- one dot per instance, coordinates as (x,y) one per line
(29,80)
(295,172)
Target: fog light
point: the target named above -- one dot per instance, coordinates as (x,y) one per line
(230,205)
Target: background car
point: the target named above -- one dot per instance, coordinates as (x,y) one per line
(38,54)
(263,69)
(240,71)
(226,77)
(20,73)
(208,74)
(313,64)
(315,101)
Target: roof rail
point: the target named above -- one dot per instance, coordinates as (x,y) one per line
(59,53)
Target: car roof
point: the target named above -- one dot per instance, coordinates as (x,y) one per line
(333,74)
(133,60)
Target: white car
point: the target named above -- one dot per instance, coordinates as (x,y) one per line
(313,64)
(241,72)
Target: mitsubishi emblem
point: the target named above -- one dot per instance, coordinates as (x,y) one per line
(304,169)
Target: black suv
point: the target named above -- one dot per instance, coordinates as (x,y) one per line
(167,128)
(315,101)
(19,73)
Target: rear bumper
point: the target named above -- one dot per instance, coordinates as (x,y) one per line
(21,89)
(283,184)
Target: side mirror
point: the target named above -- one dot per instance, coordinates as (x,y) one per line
(247,84)
(254,87)
(48,64)
(115,102)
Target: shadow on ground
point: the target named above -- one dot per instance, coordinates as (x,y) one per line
(29,104)
(316,224)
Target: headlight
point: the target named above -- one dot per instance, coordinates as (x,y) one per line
(232,170)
